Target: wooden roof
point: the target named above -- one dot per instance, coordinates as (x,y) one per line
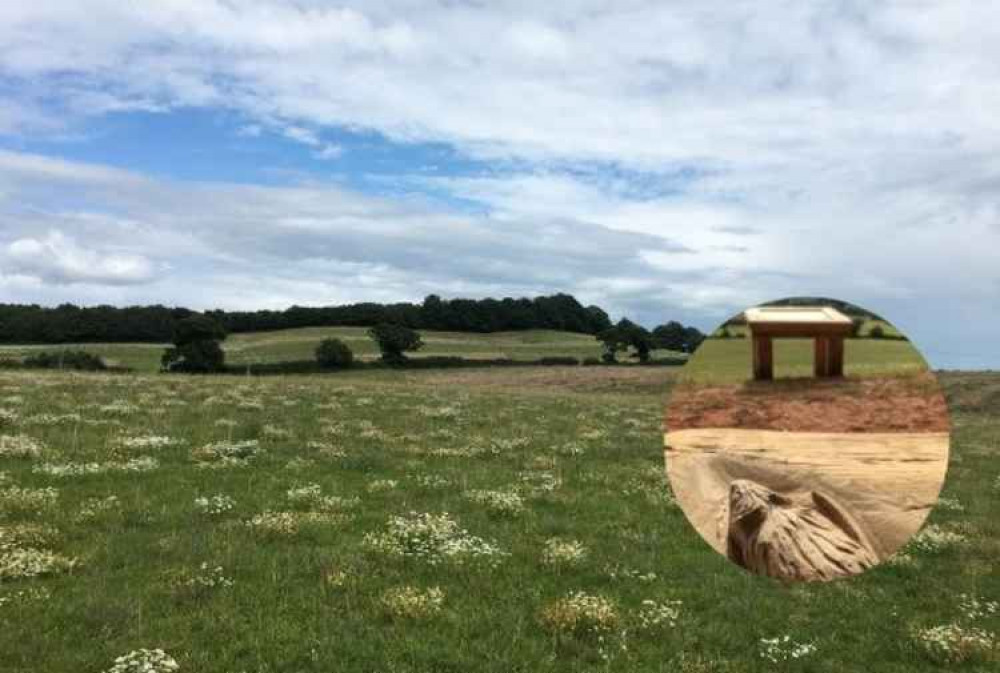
(804,321)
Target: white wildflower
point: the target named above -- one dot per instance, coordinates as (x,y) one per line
(95,507)
(379,485)
(950,504)
(655,615)
(620,572)
(22,562)
(24,499)
(581,614)
(433,539)
(227,453)
(783,648)
(145,661)
(214,505)
(933,539)
(275,523)
(974,608)
(139,464)
(954,643)
(19,446)
(562,553)
(148,442)
(412,603)
(501,503)
(207,577)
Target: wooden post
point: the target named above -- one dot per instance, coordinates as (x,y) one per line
(836,356)
(763,361)
(821,356)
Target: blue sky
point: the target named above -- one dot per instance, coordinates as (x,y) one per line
(663,160)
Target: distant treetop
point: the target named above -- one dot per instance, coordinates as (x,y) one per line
(27,324)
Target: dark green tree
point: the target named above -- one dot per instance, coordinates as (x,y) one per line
(395,340)
(637,338)
(197,348)
(676,337)
(692,339)
(334,354)
(624,335)
(671,336)
(611,343)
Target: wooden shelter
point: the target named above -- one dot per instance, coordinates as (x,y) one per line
(826,326)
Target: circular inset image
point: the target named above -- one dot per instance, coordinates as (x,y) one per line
(806,439)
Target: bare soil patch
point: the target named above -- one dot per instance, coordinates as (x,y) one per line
(888,404)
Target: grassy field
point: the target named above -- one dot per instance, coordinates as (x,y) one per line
(300,344)
(474,520)
(721,361)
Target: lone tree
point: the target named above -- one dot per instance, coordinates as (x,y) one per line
(674,336)
(670,336)
(334,354)
(611,343)
(394,340)
(196,346)
(625,334)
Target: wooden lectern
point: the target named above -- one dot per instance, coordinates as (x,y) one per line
(826,326)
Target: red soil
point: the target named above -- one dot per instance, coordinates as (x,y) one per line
(904,404)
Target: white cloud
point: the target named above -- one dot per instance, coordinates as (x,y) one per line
(302,135)
(362,247)
(59,259)
(328,152)
(637,82)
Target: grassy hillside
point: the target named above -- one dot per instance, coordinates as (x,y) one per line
(300,344)
(514,490)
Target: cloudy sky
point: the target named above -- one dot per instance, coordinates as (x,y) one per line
(663,160)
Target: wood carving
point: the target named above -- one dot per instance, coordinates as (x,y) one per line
(770,534)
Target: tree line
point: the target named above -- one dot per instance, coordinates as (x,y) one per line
(67,323)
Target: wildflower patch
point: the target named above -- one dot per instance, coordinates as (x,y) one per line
(409,602)
(20,446)
(432,539)
(581,614)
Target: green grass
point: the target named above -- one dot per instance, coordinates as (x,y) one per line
(300,344)
(595,430)
(139,357)
(721,361)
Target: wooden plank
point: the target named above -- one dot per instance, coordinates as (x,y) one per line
(763,358)
(821,353)
(836,356)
